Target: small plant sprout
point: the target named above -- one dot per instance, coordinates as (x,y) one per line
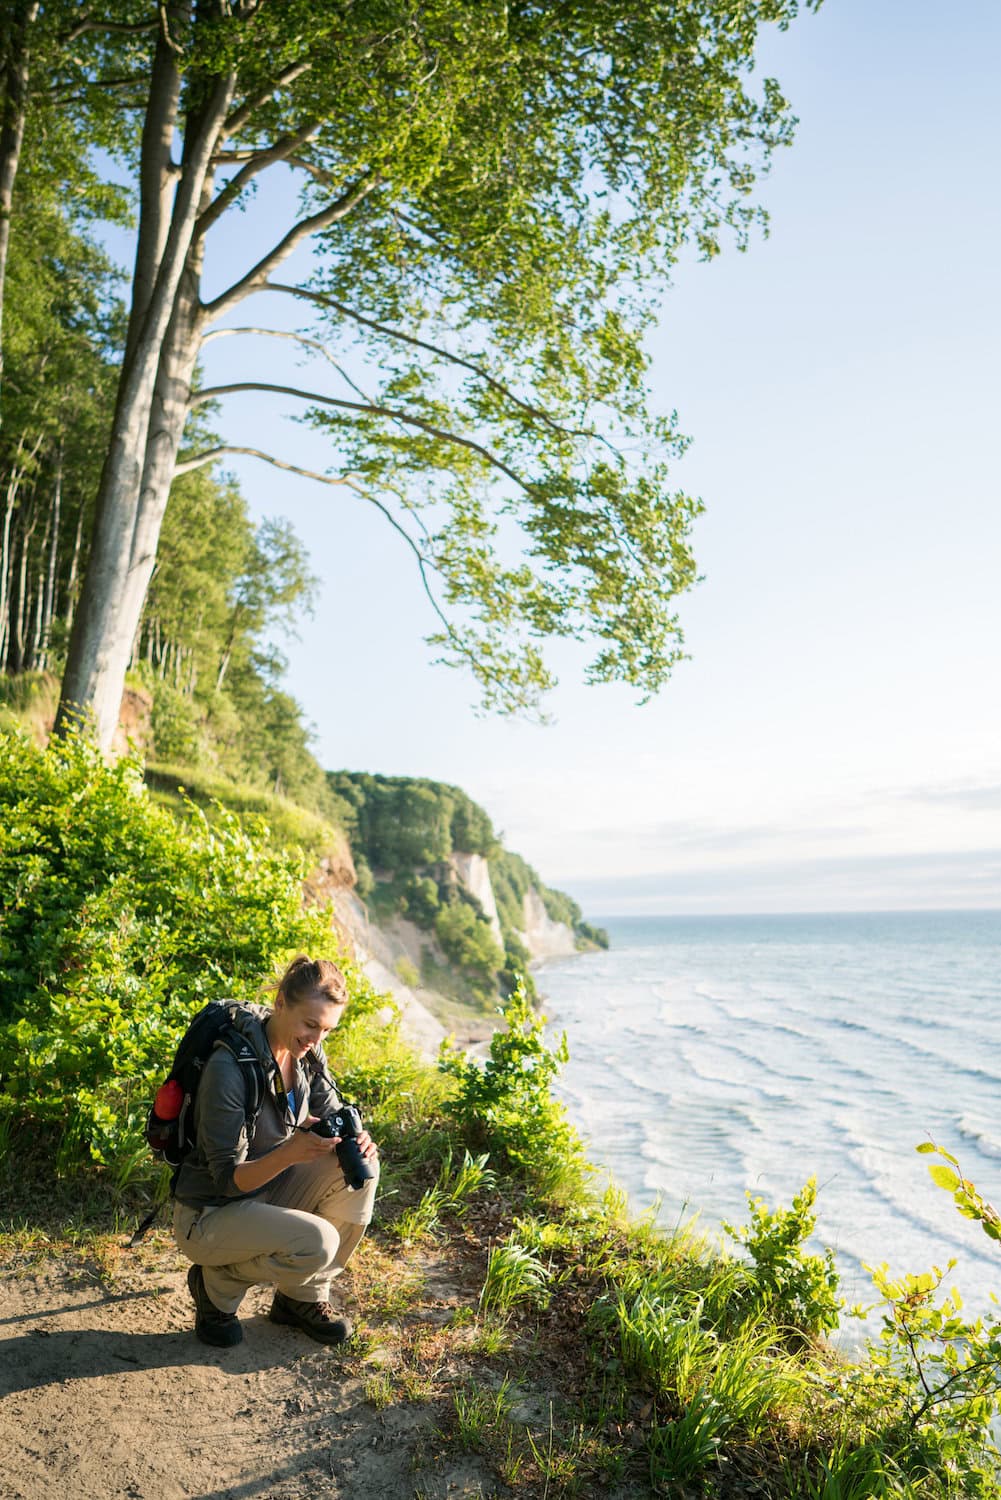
(514,1274)
(480,1414)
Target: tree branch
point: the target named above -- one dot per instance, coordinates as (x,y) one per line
(257,163)
(372,409)
(51,91)
(164,25)
(257,275)
(209,455)
(121,28)
(939,1394)
(416,343)
(239,117)
(296,338)
(199,460)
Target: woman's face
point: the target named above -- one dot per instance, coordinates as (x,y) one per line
(305,1023)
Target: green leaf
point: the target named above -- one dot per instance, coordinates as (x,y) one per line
(944,1177)
(926,1146)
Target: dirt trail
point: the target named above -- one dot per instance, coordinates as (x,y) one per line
(105,1393)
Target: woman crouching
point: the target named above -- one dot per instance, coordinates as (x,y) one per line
(274,1208)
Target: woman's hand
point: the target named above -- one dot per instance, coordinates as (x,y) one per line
(300,1146)
(303,1146)
(367,1146)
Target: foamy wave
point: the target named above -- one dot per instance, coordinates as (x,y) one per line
(980,1133)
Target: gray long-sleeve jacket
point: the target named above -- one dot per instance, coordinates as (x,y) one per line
(206,1177)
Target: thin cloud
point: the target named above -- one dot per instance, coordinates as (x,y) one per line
(712,837)
(983,797)
(933,880)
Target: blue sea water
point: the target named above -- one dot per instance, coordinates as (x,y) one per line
(710,1056)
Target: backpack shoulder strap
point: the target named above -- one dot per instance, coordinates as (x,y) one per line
(250,1066)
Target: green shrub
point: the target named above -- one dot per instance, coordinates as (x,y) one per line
(797,1290)
(176,725)
(407,972)
(420,900)
(506,1105)
(118,923)
(467,939)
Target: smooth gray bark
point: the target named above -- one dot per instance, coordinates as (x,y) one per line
(129,503)
(16,20)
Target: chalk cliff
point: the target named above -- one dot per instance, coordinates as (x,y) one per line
(543,937)
(474,872)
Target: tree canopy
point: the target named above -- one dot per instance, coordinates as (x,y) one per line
(495,196)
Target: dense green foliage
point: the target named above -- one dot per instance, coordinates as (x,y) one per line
(507,1105)
(496,195)
(797,1290)
(118,922)
(62,328)
(401,822)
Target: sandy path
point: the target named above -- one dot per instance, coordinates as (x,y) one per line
(105,1393)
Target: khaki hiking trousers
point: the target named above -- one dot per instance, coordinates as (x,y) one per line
(297,1234)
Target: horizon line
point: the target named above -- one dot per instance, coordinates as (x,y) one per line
(882,911)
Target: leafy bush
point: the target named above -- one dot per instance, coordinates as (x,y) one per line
(796,1289)
(506,1105)
(118,923)
(401,822)
(176,725)
(939,1373)
(467,939)
(420,900)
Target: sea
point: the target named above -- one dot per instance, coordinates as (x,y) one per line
(716,1056)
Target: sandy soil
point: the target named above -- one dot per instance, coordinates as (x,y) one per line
(105,1393)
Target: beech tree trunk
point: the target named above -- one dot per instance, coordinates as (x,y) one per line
(16,20)
(17,649)
(6,566)
(49,602)
(161,349)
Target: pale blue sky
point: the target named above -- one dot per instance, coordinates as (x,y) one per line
(833,743)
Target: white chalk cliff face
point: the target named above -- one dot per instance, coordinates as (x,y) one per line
(543,937)
(474,872)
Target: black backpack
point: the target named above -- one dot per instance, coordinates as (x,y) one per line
(173,1139)
(170,1134)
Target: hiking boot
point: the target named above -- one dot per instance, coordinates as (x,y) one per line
(220,1329)
(318,1319)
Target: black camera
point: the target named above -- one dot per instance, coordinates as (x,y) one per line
(346,1122)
